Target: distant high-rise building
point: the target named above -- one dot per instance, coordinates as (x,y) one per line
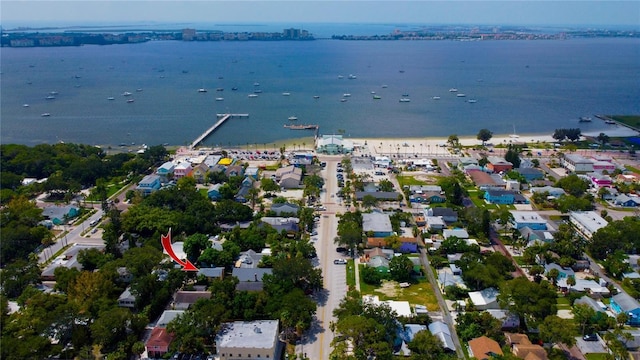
(188,34)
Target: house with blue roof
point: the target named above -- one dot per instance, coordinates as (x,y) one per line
(165,171)
(501,197)
(625,303)
(60,214)
(214,192)
(149,184)
(441,330)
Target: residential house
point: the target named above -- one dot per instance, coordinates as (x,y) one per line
(434,223)
(214,192)
(252,171)
(333,144)
(485,181)
(498,164)
(240,340)
(531,174)
(290,224)
(285,209)
(587,222)
(599,180)
(407,244)
(378,258)
(441,330)
(250,279)
(552,191)
(459,233)
(199,173)
(249,259)
(377,224)
(127,299)
(158,344)
(522,347)
(167,316)
(418,189)
(60,214)
(243,195)
(289,177)
(597,306)
(211,160)
(530,219)
(182,300)
(484,348)
(449,215)
(234,170)
(627,201)
(563,272)
(165,171)
(485,299)
(404,336)
(149,184)
(577,163)
(584,286)
(535,237)
(428,197)
(401,308)
(625,303)
(380,195)
(211,273)
(502,197)
(124,275)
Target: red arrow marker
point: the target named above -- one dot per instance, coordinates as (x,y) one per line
(166,244)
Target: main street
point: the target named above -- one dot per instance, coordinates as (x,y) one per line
(74,236)
(316,343)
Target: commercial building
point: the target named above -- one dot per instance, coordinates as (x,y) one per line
(587,222)
(249,340)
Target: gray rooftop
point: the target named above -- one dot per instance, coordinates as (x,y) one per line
(376,222)
(626,302)
(260,334)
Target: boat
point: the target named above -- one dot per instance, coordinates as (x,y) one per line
(584,119)
(340,77)
(373,92)
(53,93)
(253,95)
(130,101)
(220,77)
(453,90)
(45,114)
(126,93)
(385,86)
(257,91)
(138,90)
(234,88)
(111,98)
(377,97)
(351,76)
(185,71)
(256,84)
(461,95)
(610,122)
(286,94)
(202,90)
(316,97)
(220,89)
(343,100)
(293,118)
(25,105)
(472,101)
(219,99)
(405,100)
(405,95)
(302,127)
(50,97)
(346,95)
(436,98)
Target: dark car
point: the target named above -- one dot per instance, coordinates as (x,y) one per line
(341,249)
(590,337)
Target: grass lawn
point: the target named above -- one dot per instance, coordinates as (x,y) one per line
(409,180)
(596,356)
(563,303)
(351,274)
(631,168)
(204,192)
(631,120)
(420,293)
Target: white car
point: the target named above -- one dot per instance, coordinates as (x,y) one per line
(340,261)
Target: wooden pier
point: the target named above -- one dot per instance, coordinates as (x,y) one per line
(221,119)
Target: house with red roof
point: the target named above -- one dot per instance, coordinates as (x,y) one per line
(158,343)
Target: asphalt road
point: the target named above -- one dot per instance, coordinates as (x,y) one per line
(73,236)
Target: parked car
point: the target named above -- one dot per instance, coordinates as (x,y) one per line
(340,261)
(590,337)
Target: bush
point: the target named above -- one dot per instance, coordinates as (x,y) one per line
(371,276)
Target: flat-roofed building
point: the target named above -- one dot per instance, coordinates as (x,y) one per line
(377,223)
(530,219)
(249,340)
(577,163)
(587,222)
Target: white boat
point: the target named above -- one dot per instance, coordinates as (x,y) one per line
(293,118)
(202,90)
(25,105)
(351,76)
(346,95)
(585,119)
(286,94)
(340,77)
(316,97)
(220,89)
(436,98)
(139,90)
(453,90)
(256,84)
(343,100)
(130,101)
(472,101)
(111,98)
(405,100)
(373,92)
(53,93)
(219,99)
(461,95)
(253,95)
(50,97)
(126,93)
(45,115)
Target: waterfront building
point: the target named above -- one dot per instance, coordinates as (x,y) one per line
(334,144)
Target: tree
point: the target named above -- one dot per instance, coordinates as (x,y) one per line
(370,275)
(472,324)
(453,140)
(426,346)
(529,300)
(555,330)
(369,201)
(385,185)
(603,138)
(269,185)
(484,135)
(513,156)
(567,203)
(401,268)
(573,185)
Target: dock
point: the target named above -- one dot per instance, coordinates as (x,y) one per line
(221,119)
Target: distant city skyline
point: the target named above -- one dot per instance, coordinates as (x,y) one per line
(298,12)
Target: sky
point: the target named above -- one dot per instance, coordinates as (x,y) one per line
(481,12)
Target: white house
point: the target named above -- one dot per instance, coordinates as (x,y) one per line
(485,299)
(240,340)
(587,222)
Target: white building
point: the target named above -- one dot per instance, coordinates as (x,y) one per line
(577,163)
(249,340)
(587,222)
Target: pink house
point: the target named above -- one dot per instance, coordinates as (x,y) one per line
(600,166)
(181,170)
(600,180)
(158,343)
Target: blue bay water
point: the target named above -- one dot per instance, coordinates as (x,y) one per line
(532,86)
